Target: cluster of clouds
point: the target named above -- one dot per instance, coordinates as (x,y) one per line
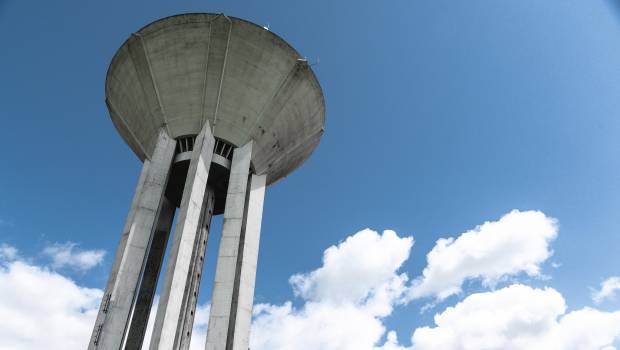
(344,304)
(41,308)
(345,300)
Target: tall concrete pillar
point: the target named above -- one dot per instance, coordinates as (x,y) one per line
(129,263)
(246,268)
(150,276)
(233,291)
(177,303)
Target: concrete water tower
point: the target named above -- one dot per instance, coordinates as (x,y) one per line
(217,108)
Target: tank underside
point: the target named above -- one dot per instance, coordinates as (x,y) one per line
(180,72)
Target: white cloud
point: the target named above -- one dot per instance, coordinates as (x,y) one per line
(609,288)
(315,326)
(518,317)
(356,268)
(40,309)
(68,255)
(7,252)
(516,243)
(344,300)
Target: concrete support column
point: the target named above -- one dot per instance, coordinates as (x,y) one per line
(233,291)
(187,251)
(144,299)
(129,262)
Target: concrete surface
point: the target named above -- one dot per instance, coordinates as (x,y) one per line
(177,291)
(230,243)
(248,83)
(235,274)
(114,313)
(150,276)
(246,266)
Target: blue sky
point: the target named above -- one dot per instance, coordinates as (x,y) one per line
(441,115)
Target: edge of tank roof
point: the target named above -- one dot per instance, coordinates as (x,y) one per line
(125,42)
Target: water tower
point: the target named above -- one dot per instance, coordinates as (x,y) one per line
(217,108)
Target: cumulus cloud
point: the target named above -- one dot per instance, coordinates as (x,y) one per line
(516,243)
(518,317)
(314,326)
(609,288)
(356,268)
(69,255)
(41,309)
(344,301)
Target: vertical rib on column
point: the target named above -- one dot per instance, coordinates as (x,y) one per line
(116,306)
(189,309)
(176,290)
(222,318)
(144,299)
